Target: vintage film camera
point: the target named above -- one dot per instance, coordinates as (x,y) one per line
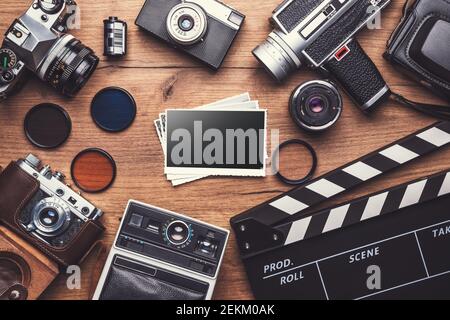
(40,207)
(161,255)
(37,41)
(205,29)
(320,34)
(421,43)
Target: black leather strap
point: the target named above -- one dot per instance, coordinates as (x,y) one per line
(438,111)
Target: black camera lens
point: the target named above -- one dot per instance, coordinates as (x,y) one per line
(186,23)
(178,232)
(69,66)
(48,217)
(315,105)
(50,6)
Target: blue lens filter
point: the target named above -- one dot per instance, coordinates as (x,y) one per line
(113,109)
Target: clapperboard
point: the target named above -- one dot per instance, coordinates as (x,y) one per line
(389,245)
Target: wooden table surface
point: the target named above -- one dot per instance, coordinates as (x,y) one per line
(160,78)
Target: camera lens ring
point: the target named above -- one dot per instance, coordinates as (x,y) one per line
(186,36)
(51,217)
(276,157)
(301,105)
(68,66)
(178,232)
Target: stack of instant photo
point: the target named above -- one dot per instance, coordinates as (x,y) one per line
(224,138)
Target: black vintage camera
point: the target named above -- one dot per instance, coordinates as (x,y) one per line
(205,29)
(38,42)
(420,45)
(161,255)
(320,34)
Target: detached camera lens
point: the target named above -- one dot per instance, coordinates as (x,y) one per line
(178,233)
(68,66)
(315,105)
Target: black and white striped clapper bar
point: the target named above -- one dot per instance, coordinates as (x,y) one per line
(274,234)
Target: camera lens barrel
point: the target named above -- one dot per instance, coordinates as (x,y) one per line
(68,66)
(51,217)
(316,105)
(178,232)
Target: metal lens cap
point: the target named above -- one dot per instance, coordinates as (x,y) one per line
(47,126)
(113,109)
(93,170)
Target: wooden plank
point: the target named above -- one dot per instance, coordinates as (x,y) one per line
(159,78)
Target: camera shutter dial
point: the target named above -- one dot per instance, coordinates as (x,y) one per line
(186,24)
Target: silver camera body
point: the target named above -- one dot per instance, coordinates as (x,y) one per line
(56,213)
(38,41)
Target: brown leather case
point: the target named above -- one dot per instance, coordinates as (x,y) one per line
(16,190)
(25,272)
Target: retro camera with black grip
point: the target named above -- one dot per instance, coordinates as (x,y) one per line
(320,34)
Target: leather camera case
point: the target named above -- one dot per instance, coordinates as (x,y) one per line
(128,284)
(25,272)
(16,190)
(421,43)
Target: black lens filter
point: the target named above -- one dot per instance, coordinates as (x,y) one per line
(47,126)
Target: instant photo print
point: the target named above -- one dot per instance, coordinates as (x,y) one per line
(216,142)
